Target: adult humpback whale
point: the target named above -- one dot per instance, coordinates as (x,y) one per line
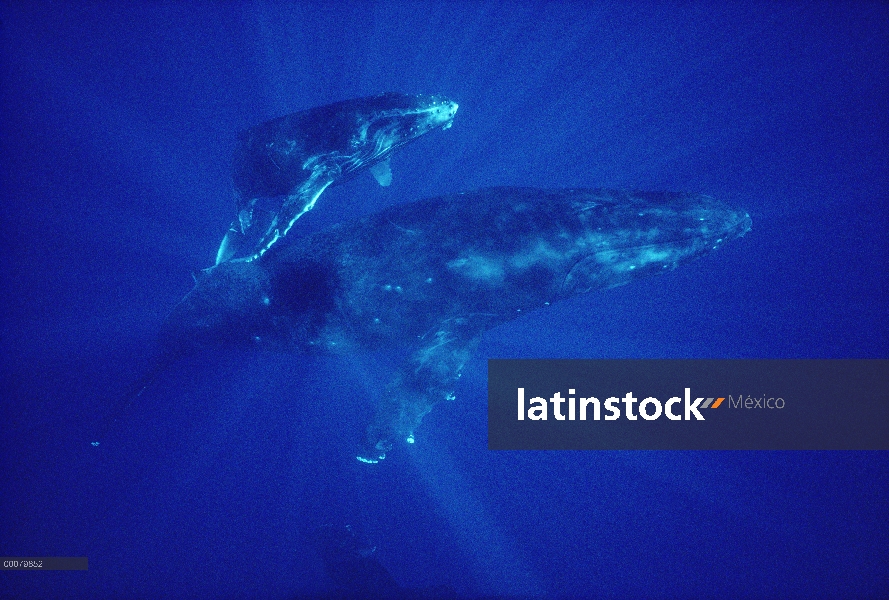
(297,156)
(356,572)
(432,276)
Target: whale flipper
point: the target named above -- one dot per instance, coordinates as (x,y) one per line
(429,376)
(231,241)
(293,208)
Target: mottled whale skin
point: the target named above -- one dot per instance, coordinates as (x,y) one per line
(434,275)
(294,158)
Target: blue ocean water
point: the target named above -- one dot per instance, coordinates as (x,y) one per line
(119,121)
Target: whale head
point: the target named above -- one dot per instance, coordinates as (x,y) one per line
(389,121)
(629,235)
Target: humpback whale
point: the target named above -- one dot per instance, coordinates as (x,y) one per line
(356,572)
(351,563)
(434,275)
(282,166)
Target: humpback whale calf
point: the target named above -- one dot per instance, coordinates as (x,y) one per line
(297,156)
(434,275)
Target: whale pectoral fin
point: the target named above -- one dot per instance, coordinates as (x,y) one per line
(427,378)
(382,172)
(400,411)
(230,243)
(295,206)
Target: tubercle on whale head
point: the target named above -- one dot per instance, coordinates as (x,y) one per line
(438,112)
(441,107)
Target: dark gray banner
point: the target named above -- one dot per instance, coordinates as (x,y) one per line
(43,563)
(688,404)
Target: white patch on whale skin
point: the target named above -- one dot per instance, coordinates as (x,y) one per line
(539,253)
(652,254)
(623,261)
(481,268)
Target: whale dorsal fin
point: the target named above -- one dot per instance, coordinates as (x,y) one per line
(382,171)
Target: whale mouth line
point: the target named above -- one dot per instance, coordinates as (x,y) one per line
(736,229)
(386,139)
